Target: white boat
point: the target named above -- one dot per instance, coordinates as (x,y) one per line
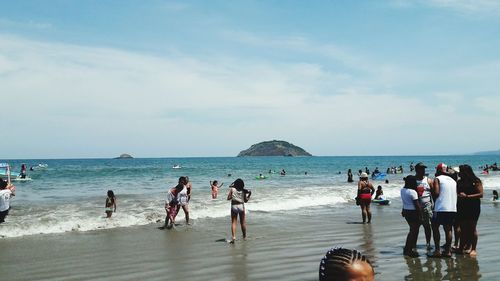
(176,167)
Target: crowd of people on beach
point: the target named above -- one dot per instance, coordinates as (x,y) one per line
(451,200)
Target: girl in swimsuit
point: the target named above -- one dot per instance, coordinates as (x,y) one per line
(365,192)
(110,204)
(238,196)
(215,188)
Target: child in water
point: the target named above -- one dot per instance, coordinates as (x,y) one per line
(379,194)
(110,204)
(215,188)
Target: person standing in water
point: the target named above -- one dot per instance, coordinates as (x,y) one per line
(184,196)
(425,198)
(349,176)
(412,214)
(22,174)
(110,204)
(365,192)
(7,191)
(215,188)
(172,203)
(238,196)
(470,192)
(444,192)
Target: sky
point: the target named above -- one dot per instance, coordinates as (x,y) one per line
(91,79)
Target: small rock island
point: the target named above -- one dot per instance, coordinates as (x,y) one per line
(124,156)
(274,148)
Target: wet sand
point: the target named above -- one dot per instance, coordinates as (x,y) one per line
(281,246)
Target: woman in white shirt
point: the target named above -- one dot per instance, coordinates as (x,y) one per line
(412,213)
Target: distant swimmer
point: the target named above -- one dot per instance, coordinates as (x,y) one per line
(7,191)
(365,192)
(283,172)
(495,195)
(229,175)
(387,181)
(367,171)
(345,264)
(238,196)
(110,204)
(215,188)
(349,176)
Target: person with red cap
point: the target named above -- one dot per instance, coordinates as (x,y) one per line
(444,192)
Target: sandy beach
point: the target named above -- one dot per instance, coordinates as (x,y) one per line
(281,246)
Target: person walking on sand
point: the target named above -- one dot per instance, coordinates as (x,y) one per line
(349,176)
(412,214)
(425,198)
(365,192)
(470,192)
(110,204)
(238,196)
(172,203)
(215,188)
(444,192)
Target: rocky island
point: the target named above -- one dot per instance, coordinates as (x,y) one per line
(124,156)
(274,148)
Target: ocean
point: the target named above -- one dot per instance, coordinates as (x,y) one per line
(69,195)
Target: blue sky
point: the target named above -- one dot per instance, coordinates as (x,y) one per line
(210,78)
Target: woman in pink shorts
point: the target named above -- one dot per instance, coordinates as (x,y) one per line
(365,192)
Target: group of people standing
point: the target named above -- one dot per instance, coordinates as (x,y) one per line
(179,196)
(450,200)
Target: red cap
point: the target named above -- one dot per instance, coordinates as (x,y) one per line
(442,167)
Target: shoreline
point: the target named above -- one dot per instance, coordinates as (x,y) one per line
(285,245)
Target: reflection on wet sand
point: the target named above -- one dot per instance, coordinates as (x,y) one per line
(456,268)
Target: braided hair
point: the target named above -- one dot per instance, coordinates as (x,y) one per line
(334,264)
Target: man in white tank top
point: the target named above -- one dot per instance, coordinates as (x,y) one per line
(424,185)
(444,192)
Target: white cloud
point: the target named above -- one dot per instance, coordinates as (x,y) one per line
(464,7)
(7,23)
(73,101)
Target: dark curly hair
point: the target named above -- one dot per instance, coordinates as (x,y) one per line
(334,264)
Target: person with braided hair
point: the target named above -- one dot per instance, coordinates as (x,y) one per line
(340,264)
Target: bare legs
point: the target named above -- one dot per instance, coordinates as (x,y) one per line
(448,229)
(428,234)
(468,238)
(185,208)
(411,239)
(365,212)
(234,222)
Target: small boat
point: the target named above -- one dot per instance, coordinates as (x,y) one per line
(176,167)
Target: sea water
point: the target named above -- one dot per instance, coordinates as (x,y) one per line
(69,195)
